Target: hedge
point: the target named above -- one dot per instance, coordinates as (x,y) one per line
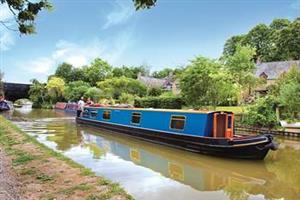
(159,102)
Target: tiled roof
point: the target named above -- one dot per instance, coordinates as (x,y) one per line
(274,69)
(154,82)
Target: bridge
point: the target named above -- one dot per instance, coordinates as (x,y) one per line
(14,91)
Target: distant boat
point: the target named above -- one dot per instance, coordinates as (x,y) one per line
(201,132)
(5,105)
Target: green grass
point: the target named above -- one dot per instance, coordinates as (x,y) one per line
(44,177)
(80,187)
(22,159)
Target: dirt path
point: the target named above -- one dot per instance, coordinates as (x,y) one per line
(9,186)
(30,170)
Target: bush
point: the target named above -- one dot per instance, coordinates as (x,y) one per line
(262,113)
(159,102)
(126,98)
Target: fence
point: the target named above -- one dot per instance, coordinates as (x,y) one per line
(239,129)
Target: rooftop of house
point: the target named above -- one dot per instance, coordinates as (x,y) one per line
(272,70)
(155,82)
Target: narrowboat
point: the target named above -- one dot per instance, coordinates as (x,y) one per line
(208,132)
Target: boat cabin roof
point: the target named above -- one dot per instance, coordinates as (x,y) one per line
(160,110)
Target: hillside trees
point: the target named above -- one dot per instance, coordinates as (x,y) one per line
(275,42)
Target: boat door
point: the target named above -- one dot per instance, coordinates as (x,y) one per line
(223,125)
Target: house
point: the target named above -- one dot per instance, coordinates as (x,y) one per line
(166,83)
(271,71)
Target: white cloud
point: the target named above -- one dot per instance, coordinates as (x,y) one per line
(40,66)
(80,54)
(7,37)
(122,12)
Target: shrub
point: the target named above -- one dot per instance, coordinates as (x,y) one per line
(159,102)
(262,113)
(126,98)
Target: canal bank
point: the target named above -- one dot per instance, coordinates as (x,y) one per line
(30,170)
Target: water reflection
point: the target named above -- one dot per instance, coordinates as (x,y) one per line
(150,171)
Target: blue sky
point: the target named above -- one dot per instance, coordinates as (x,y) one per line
(168,35)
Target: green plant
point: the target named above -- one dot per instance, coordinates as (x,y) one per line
(159,102)
(262,113)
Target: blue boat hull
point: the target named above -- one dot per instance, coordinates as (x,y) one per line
(250,147)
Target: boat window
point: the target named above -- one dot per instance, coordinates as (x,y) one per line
(94,113)
(136,118)
(106,114)
(177,122)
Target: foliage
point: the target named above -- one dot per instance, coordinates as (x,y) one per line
(241,66)
(276,42)
(142,4)
(159,102)
(289,98)
(38,93)
(154,91)
(114,87)
(98,71)
(56,88)
(287,90)
(126,98)
(204,83)
(94,93)
(163,73)
(130,72)
(69,73)
(75,90)
(262,113)
(25,13)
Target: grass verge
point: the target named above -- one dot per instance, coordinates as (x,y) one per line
(60,176)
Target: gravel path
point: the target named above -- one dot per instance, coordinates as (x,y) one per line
(8,183)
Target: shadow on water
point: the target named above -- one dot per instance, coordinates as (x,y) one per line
(151,171)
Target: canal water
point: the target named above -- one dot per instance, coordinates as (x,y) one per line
(153,172)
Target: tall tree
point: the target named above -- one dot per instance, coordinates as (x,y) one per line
(97,71)
(25,13)
(231,44)
(242,67)
(56,88)
(197,81)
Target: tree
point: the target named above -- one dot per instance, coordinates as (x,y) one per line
(203,83)
(69,73)
(262,113)
(114,87)
(56,88)
(94,93)
(163,73)
(64,71)
(259,38)
(289,41)
(75,90)
(242,67)
(25,13)
(289,98)
(141,4)
(276,42)
(97,71)
(231,44)
(287,90)
(38,93)
(130,72)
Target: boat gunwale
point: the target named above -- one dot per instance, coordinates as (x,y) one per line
(160,110)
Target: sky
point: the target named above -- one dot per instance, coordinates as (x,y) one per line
(169,35)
